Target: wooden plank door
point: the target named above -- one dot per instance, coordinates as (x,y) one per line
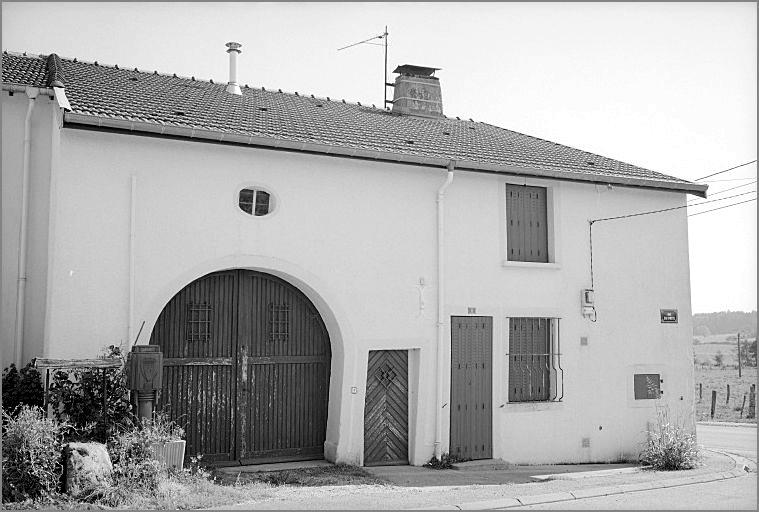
(471,387)
(284,372)
(386,408)
(197,333)
(246,368)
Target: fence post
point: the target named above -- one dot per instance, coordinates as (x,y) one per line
(700,392)
(714,401)
(728,395)
(743,404)
(752,402)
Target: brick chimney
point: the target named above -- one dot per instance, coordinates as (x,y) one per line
(417,92)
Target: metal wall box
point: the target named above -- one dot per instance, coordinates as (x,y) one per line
(145,368)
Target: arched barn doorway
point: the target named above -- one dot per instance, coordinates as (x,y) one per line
(246,368)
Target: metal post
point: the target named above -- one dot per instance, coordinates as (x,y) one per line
(714,401)
(384,81)
(728,395)
(700,392)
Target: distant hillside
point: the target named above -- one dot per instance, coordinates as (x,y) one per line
(724,322)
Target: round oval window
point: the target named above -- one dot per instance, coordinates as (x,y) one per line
(254,201)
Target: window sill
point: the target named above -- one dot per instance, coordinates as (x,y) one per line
(532,406)
(530,264)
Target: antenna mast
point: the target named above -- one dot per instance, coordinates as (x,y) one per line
(369,41)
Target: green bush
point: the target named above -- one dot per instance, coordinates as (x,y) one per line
(670,446)
(21,388)
(79,393)
(32,459)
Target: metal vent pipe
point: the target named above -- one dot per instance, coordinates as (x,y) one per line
(233,50)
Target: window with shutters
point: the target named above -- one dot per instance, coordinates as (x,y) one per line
(535,373)
(527,223)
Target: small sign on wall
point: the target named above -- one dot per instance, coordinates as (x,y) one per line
(668,316)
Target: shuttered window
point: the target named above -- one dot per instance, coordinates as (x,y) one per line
(531,365)
(526,224)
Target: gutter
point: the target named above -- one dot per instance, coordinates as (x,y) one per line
(441,305)
(462,165)
(18,341)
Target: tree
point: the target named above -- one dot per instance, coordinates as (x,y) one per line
(718,358)
(702,330)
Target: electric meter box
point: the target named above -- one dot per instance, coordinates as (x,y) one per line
(145,368)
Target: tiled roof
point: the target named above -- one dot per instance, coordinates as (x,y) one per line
(110,92)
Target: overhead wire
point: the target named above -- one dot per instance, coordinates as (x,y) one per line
(726,170)
(722,207)
(727,190)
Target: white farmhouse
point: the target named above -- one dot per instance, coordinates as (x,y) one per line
(337,280)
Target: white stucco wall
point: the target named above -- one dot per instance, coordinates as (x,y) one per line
(356,237)
(44,144)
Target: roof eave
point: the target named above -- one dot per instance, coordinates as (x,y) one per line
(346,151)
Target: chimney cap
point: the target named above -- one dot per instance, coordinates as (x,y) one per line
(233,46)
(411,69)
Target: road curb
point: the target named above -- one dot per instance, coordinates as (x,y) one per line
(741,469)
(725,424)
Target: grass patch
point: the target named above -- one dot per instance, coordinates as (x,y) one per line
(718,379)
(338,474)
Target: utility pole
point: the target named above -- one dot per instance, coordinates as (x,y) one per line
(739,354)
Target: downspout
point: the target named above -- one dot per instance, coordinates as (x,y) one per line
(440,305)
(32,93)
(132,215)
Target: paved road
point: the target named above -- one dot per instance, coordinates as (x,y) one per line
(733,494)
(738,440)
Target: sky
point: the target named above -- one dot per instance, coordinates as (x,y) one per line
(671,87)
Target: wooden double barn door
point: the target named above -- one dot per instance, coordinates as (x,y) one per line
(386,409)
(471,387)
(246,368)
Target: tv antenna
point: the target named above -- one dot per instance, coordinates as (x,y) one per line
(371,41)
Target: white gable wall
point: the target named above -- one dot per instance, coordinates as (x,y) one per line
(356,237)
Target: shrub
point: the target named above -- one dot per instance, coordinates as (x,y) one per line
(446,461)
(134,468)
(21,388)
(669,445)
(79,393)
(32,460)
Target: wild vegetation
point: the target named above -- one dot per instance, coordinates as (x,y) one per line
(670,446)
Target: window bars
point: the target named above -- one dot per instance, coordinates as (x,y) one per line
(279,322)
(198,322)
(535,372)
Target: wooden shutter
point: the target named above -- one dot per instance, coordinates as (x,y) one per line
(526,218)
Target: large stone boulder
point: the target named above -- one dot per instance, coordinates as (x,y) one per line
(88,468)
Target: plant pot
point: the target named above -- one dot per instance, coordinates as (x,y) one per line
(171,453)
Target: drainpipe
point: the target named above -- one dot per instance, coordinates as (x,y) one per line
(440,305)
(32,93)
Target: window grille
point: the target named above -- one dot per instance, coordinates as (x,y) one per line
(198,322)
(535,373)
(526,223)
(279,322)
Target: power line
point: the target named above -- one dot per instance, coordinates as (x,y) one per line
(669,209)
(730,179)
(730,169)
(728,189)
(722,207)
